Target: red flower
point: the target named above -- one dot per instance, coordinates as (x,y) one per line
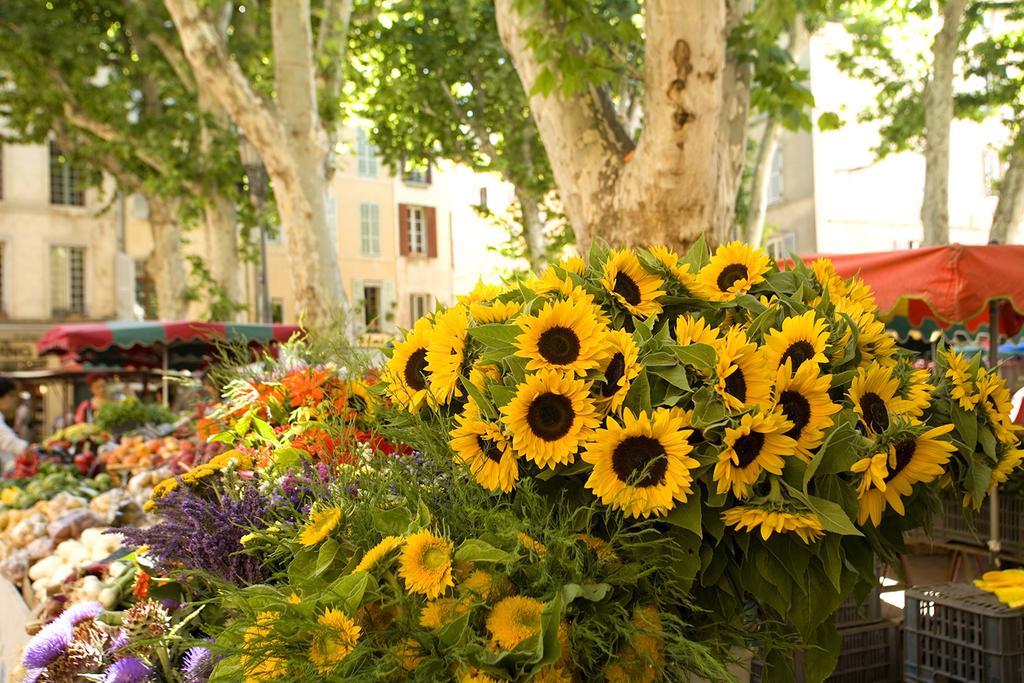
(141,588)
(306,387)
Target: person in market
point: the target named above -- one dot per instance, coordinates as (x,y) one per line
(87,408)
(10,443)
(23,417)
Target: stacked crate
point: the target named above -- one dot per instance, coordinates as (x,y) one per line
(870,647)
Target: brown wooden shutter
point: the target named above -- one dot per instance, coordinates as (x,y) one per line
(403,229)
(431,231)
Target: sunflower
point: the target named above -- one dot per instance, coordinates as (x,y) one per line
(406,370)
(513,620)
(441,612)
(335,641)
(1001,472)
(743,379)
(874,343)
(256,664)
(631,285)
(374,555)
(826,275)
(669,260)
(806,525)
(873,392)
(355,399)
(643,659)
(445,353)
(426,564)
(620,366)
(909,460)
(409,654)
(961,379)
(480,374)
(690,330)
(917,392)
(475,676)
(800,339)
(483,448)
(561,336)
(758,444)
(803,398)
(599,546)
(483,584)
(550,417)
(732,271)
(696,437)
(573,264)
(494,312)
(1008,586)
(482,291)
(642,466)
(532,544)
(994,398)
(320,525)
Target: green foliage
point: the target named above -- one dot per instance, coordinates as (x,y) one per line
(131,413)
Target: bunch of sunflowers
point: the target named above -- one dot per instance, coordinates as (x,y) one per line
(717,392)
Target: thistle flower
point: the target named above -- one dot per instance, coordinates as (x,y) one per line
(128,670)
(46,646)
(81,611)
(197,665)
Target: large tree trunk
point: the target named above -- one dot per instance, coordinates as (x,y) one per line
(1009,213)
(680,180)
(287,136)
(938,116)
(533,229)
(760,178)
(221,240)
(166,263)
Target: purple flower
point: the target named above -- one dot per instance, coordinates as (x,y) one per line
(47,645)
(128,670)
(321,468)
(118,641)
(197,665)
(81,611)
(32,675)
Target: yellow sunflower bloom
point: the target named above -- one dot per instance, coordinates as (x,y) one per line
(994,399)
(743,378)
(426,564)
(732,271)
(917,392)
(620,366)
(550,417)
(828,278)
(495,312)
(680,272)
(803,398)
(1008,586)
(481,374)
(532,544)
(631,285)
(759,444)
(1008,463)
(409,654)
(561,336)
(911,460)
(800,339)
(484,449)
(690,330)
(873,393)
(482,291)
(334,641)
(573,264)
(406,370)
(875,470)
(377,553)
(257,665)
(320,525)
(806,525)
(642,466)
(513,620)
(446,352)
(643,659)
(483,584)
(874,343)
(961,379)
(441,612)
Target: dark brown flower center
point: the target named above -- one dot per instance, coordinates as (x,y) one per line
(550,416)
(415,368)
(356,403)
(736,385)
(627,289)
(797,410)
(696,436)
(489,449)
(798,352)
(748,447)
(640,461)
(730,274)
(613,375)
(904,454)
(559,346)
(876,415)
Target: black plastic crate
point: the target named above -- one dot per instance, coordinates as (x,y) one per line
(957,633)
(950,524)
(869,653)
(852,613)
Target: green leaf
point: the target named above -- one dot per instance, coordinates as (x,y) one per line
(287,457)
(454,633)
(966,426)
(674,375)
(638,398)
(302,566)
(820,659)
(979,476)
(494,335)
(687,515)
(501,394)
(700,356)
(988,442)
(833,517)
(487,408)
(265,430)
(349,590)
(707,409)
(325,557)
(243,424)
(829,120)
(838,451)
(227,670)
(697,255)
(831,560)
(393,522)
(475,550)
(594,592)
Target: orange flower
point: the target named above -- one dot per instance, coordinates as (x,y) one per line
(306,387)
(141,588)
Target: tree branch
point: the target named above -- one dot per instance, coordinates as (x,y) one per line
(175,58)
(483,139)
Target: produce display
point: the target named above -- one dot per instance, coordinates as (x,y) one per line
(131,413)
(637,466)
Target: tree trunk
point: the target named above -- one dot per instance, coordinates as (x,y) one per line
(533,229)
(761,177)
(221,241)
(287,136)
(166,263)
(679,182)
(1009,213)
(938,116)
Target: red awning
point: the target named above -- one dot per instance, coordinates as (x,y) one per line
(951,284)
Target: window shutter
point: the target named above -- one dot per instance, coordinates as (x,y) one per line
(431,231)
(403,229)
(358,314)
(388,312)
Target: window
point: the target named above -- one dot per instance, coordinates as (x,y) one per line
(366,155)
(145,293)
(906,244)
(417,230)
(419,175)
(781,245)
(483,198)
(369,229)
(65,180)
(371,307)
(276,311)
(140,207)
(991,170)
(419,306)
(775,187)
(67,281)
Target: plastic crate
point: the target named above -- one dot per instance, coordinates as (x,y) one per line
(956,633)
(869,653)
(850,613)
(950,524)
